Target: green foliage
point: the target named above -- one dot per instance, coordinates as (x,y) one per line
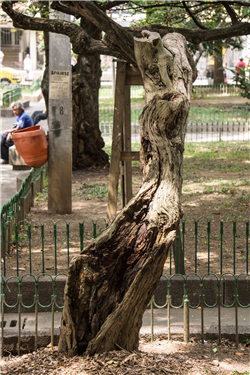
(44,195)
(88,191)
(243,81)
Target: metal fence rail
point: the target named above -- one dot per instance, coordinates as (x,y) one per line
(44,293)
(19,205)
(196,132)
(31,87)
(199,114)
(11,96)
(216,246)
(221,89)
(204,123)
(106,91)
(13,92)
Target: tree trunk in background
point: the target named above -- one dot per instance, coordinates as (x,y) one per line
(45,80)
(87,141)
(218,66)
(110,284)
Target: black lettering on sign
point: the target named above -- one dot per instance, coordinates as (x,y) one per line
(61,111)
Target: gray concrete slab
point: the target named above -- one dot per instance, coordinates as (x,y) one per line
(159,318)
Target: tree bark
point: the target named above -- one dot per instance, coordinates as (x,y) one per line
(218,66)
(110,284)
(87,141)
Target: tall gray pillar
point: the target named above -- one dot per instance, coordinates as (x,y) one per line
(60,126)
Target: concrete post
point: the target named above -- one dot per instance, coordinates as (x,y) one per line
(60,126)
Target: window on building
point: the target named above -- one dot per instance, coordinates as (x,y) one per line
(10,37)
(5,37)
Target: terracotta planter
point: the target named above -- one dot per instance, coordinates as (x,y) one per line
(31,143)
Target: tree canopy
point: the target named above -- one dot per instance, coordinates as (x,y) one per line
(198,21)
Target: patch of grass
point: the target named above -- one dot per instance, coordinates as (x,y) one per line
(209,190)
(88,191)
(221,150)
(44,195)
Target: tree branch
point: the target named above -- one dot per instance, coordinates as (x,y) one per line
(193,17)
(119,40)
(81,41)
(230,12)
(116,33)
(196,36)
(57,5)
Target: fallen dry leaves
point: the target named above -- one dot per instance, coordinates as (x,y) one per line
(157,357)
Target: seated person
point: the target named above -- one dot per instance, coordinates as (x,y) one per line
(23,121)
(38,116)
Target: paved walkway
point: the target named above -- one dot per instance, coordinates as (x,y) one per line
(159,318)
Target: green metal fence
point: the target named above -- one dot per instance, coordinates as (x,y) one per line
(14,92)
(215,90)
(25,297)
(19,205)
(11,96)
(106,92)
(199,114)
(204,123)
(204,246)
(30,87)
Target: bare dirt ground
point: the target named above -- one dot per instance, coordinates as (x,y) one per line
(157,357)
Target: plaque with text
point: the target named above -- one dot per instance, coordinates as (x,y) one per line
(59,84)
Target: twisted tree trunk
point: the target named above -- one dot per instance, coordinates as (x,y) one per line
(110,284)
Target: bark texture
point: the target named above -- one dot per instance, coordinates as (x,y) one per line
(218,67)
(87,142)
(110,284)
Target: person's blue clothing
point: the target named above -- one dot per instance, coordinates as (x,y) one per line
(24,121)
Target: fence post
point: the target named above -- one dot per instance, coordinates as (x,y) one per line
(186,313)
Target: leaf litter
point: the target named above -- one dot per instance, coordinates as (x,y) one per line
(157,357)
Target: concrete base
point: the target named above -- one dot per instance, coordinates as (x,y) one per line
(7,112)
(16,160)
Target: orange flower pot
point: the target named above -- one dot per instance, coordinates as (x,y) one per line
(31,143)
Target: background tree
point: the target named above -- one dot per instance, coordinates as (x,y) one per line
(110,284)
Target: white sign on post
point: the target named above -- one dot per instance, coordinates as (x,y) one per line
(59,84)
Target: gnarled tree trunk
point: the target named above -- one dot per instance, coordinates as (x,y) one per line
(87,141)
(110,284)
